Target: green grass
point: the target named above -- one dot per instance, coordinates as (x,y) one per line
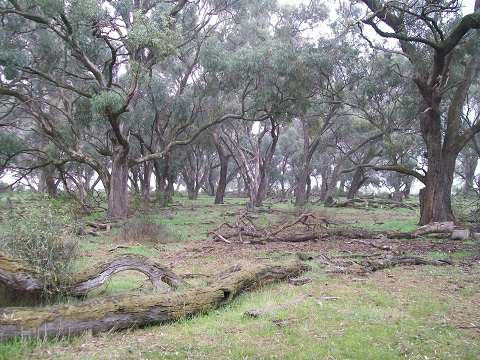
(402,313)
(16,348)
(401,225)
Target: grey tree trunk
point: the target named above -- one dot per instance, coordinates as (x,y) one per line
(118,195)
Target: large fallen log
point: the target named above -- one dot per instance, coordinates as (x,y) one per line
(127,311)
(17,277)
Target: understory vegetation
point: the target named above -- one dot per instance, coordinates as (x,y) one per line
(43,236)
(403,312)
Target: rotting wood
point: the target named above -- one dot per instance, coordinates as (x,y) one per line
(127,311)
(17,277)
(393,261)
(366,203)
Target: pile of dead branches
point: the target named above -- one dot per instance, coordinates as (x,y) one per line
(372,203)
(307,227)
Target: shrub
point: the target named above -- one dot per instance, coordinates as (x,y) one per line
(43,238)
(144,230)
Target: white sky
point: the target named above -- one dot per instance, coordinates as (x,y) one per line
(467,4)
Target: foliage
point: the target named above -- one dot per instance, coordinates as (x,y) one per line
(107,100)
(42,237)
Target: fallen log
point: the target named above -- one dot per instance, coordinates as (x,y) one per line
(367,263)
(127,311)
(288,238)
(435,228)
(161,277)
(17,277)
(389,262)
(372,203)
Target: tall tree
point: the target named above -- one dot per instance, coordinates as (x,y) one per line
(444,60)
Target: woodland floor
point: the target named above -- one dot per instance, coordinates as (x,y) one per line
(409,312)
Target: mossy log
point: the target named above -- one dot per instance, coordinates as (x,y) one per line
(127,311)
(18,278)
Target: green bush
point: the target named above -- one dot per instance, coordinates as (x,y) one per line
(43,238)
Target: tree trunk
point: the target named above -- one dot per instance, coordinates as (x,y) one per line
(47,181)
(358,180)
(332,185)
(470,161)
(145,181)
(191,193)
(435,198)
(222,180)
(127,311)
(210,183)
(408,187)
(134,180)
(301,188)
(118,195)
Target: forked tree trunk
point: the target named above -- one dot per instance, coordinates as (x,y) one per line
(127,311)
(118,195)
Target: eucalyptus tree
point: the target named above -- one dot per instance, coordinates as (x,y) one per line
(195,169)
(85,58)
(384,99)
(284,160)
(344,148)
(334,70)
(440,46)
(257,58)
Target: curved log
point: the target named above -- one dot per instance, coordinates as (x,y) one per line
(158,275)
(16,277)
(126,311)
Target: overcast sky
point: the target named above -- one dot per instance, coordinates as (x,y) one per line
(467,4)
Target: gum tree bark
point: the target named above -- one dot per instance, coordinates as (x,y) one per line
(118,194)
